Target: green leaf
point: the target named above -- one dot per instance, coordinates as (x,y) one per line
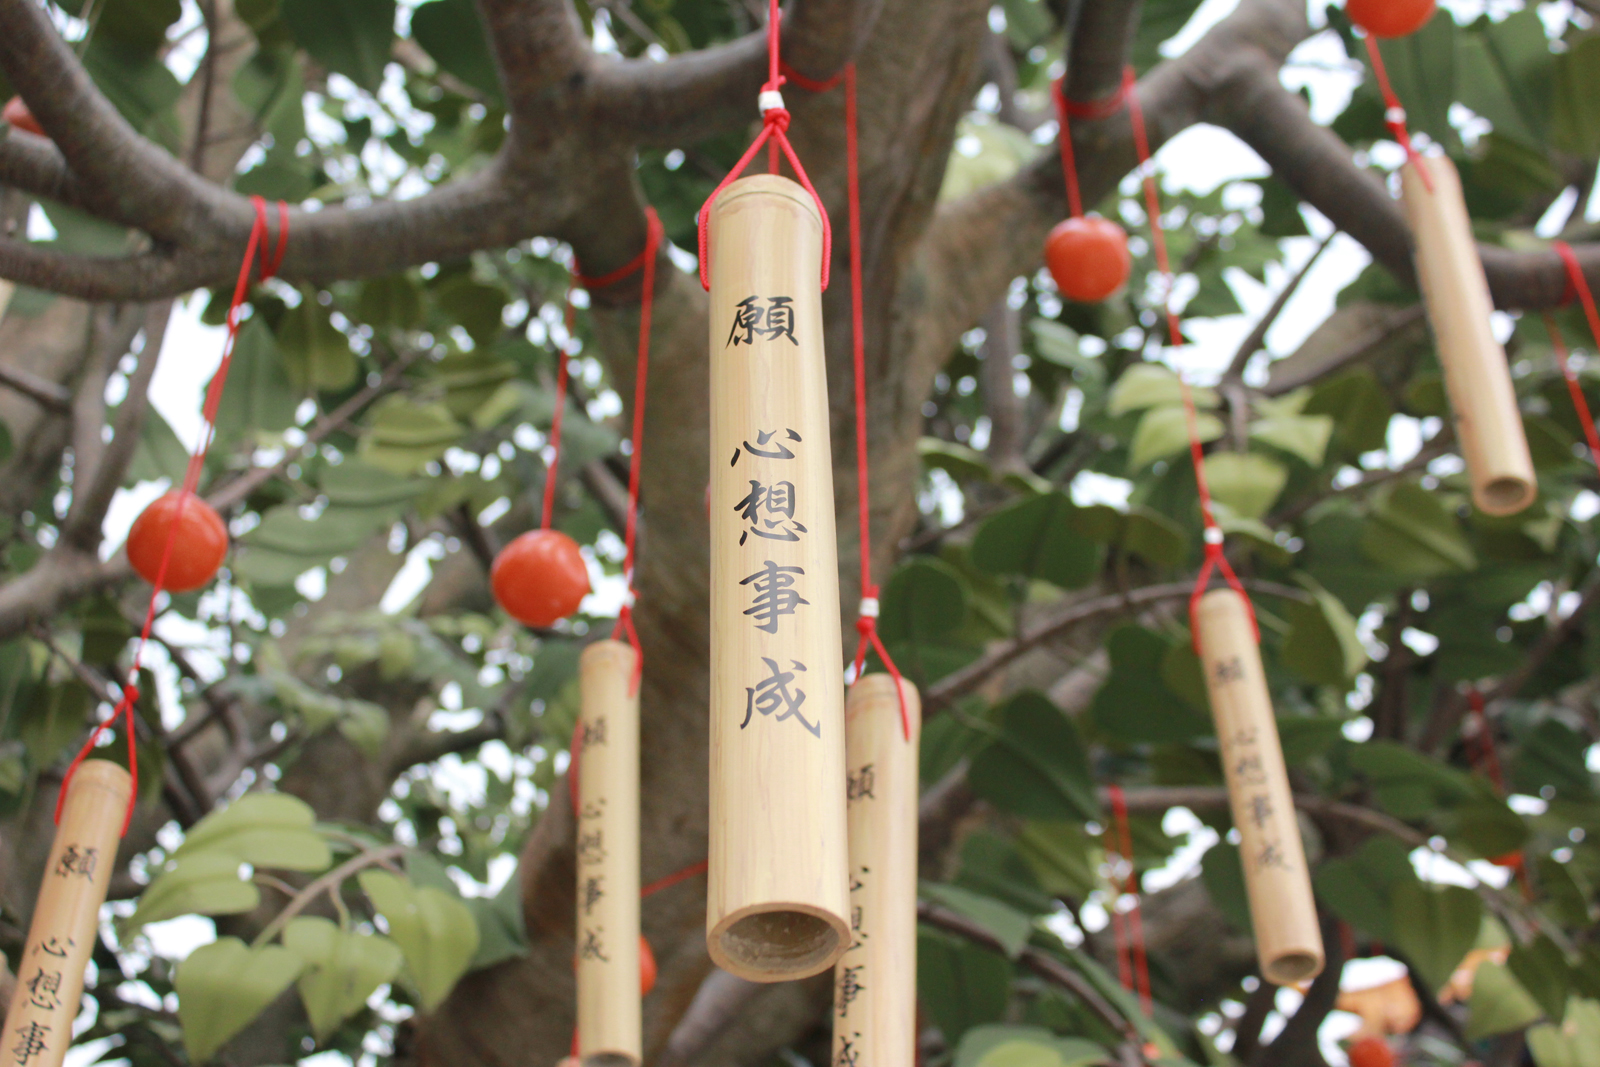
(137,83)
(351,37)
(453,35)
(500,931)
(1037,539)
(1322,645)
(1024,1046)
(1359,407)
(1552,754)
(1504,72)
(1037,765)
(1408,784)
(259,395)
(1358,887)
(1499,1004)
(140,24)
(1148,385)
(1009,926)
(474,306)
(1575,117)
(1222,873)
(1154,538)
(1133,703)
(393,300)
(958,461)
(435,931)
(206,883)
(262,829)
(959,984)
(223,986)
(1247,483)
(316,353)
(1061,855)
(1305,436)
(1434,926)
(1541,968)
(1422,69)
(159,453)
(1575,1043)
(1164,431)
(343,968)
(1410,532)
(405,436)
(924,600)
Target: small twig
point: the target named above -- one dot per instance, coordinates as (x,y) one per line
(1369,341)
(241,487)
(47,394)
(1258,336)
(327,883)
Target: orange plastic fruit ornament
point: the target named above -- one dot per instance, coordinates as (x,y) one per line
(1511,860)
(1390,18)
(647,967)
(198,544)
(1371,1052)
(1088,258)
(18,117)
(539,578)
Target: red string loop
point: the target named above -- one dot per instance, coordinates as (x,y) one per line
(774,123)
(1577,286)
(270,259)
(1394,113)
(1067,110)
(811,85)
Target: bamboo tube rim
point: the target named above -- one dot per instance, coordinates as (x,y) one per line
(778,942)
(104,775)
(767,185)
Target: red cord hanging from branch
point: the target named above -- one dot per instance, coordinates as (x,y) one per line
(540,577)
(1087,255)
(178,542)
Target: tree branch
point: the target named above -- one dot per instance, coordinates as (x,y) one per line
(49,395)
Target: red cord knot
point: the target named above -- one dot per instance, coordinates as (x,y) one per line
(867,622)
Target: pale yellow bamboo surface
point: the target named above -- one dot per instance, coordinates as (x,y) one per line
(7,290)
(777,900)
(608,858)
(66,918)
(875,984)
(1288,938)
(1456,292)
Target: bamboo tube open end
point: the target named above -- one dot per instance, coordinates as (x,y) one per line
(1505,495)
(778,943)
(608,1059)
(1300,965)
(105,775)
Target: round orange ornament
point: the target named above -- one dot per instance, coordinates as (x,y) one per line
(647,967)
(1088,258)
(539,578)
(1390,18)
(1371,1052)
(199,542)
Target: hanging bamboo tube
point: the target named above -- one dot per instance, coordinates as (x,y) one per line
(608,858)
(1288,938)
(66,918)
(1476,376)
(875,983)
(777,899)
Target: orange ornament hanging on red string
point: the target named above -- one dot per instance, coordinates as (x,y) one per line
(199,542)
(1087,256)
(539,578)
(1371,1052)
(19,117)
(1390,18)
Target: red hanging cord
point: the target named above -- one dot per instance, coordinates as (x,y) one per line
(652,242)
(270,260)
(1133,966)
(1394,113)
(774,123)
(867,619)
(1483,754)
(1577,286)
(1215,558)
(1066,110)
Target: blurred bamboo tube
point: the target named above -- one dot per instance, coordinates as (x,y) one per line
(1456,292)
(66,917)
(608,858)
(1288,937)
(875,983)
(7,290)
(777,899)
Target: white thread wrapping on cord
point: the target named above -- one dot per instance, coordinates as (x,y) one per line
(1395,116)
(869,607)
(769,100)
(1213,535)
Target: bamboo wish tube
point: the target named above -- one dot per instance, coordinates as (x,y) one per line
(608,858)
(1288,937)
(1476,376)
(777,895)
(66,918)
(875,983)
